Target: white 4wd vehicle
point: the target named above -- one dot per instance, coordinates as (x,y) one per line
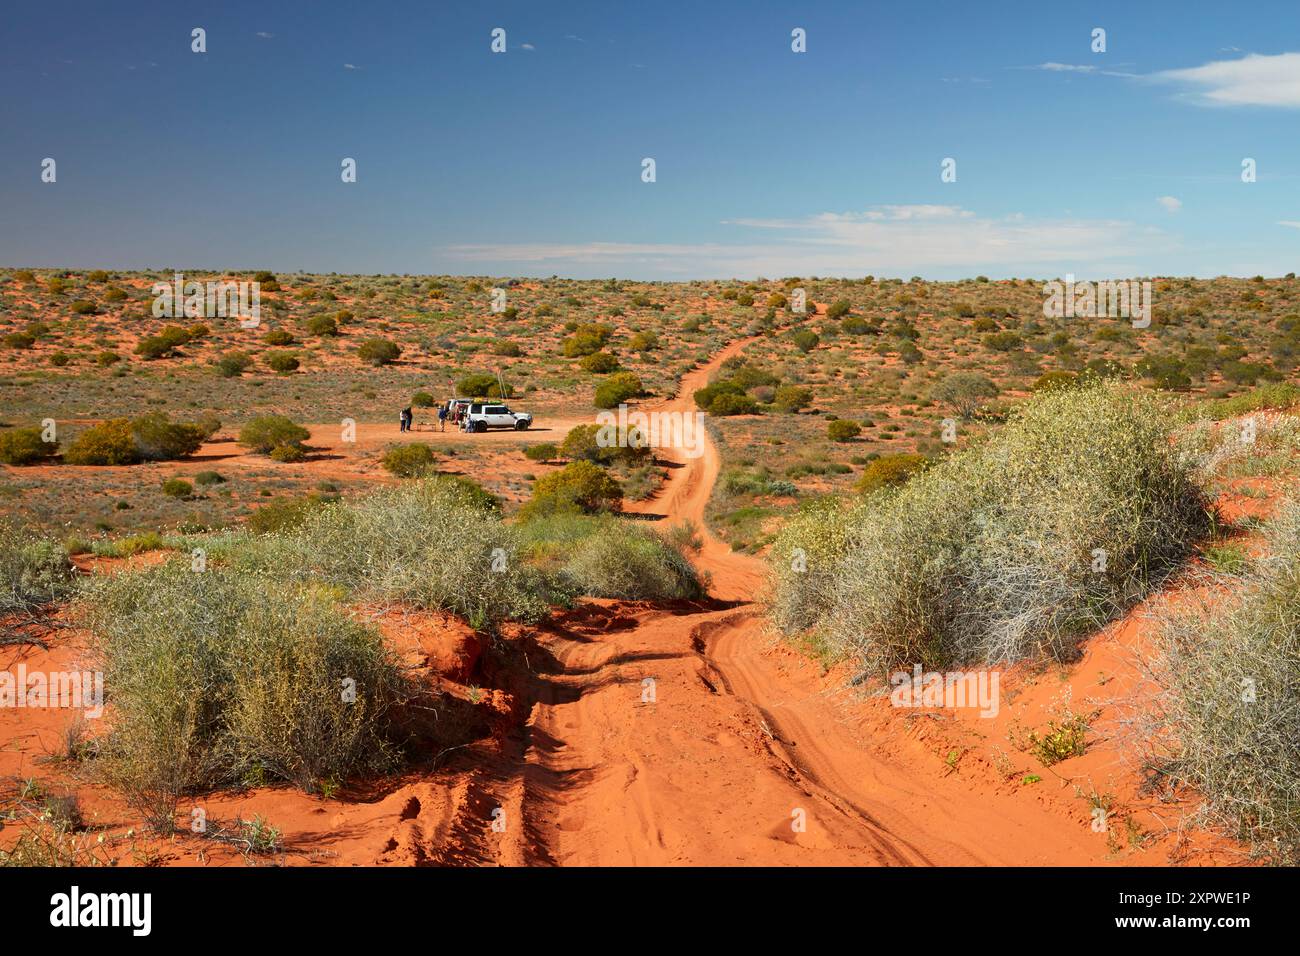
(482,416)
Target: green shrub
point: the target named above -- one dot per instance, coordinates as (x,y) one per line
(35,573)
(106,358)
(164,344)
(614,560)
(599,363)
(24,446)
(580,487)
(233,363)
(379,352)
(583,443)
(730,403)
(890,471)
(843,430)
(265,433)
(617,389)
(546,451)
(177,488)
(805,340)
(20,340)
(964,392)
(1050,380)
(1003,341)
(83,307)
(288,454)
(479,385)
(990,555)
(221,678)
(205,478)
(282,362)
(423,400)
(284,514)
(323,325)
(409,461)
(108,443)
(157,438)
(431,543)
(278,337)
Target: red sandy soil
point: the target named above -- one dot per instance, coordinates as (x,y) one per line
(737,739)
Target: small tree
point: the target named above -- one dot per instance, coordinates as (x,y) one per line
(964,392)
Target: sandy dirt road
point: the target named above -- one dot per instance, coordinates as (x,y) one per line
(682,735)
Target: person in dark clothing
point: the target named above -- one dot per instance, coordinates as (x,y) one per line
(442,417)
(405,418)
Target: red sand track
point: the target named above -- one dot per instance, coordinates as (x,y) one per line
(741,741)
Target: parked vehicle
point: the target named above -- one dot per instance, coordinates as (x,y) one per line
(484,415)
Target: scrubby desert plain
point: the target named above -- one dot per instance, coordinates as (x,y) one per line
(334,645)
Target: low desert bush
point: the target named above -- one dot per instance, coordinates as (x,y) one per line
(34,572)
(222,678)
(435,542)
(890,471)
(617,389)
(1014,548)
(151,437)
(409,461)
(25,446)
(379,352)
(580,487)
(1226,722)
(265,433)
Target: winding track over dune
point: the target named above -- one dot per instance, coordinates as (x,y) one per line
(679,736)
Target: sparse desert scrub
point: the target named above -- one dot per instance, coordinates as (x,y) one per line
(409,461)
(1226,720)
(1013,548)
(35,574)
(220,678)
(606,556)
(436,542)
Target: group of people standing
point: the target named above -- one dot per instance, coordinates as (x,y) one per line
(447,411)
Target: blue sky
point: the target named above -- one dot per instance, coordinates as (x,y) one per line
(768,162)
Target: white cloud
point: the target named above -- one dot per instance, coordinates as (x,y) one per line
(883,240)
(1170,203)
(1253,80)
(264,35)
(1065,68)
(527,46)
(1292,223)
(349,66)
